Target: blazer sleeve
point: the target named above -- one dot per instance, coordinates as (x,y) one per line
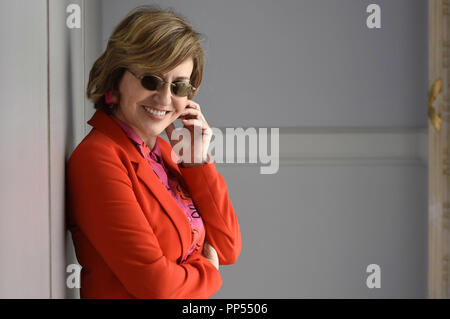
(106,210)
(210,195)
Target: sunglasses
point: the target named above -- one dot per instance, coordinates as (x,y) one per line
(152,82)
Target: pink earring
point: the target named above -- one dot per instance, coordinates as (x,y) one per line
(109,98)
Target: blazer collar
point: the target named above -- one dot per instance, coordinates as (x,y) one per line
(105,124)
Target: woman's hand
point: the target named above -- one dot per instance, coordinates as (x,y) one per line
(211,254)
(193,119)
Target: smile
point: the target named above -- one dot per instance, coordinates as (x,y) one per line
(155,112)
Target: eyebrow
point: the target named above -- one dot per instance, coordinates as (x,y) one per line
(176,79)
(182,78)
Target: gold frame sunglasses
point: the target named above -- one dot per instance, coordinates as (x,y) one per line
(153,82)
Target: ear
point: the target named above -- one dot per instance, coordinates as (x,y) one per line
(114,98)
(111,98)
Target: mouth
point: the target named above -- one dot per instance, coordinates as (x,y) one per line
(155,112)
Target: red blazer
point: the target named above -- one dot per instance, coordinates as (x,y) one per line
(128,231)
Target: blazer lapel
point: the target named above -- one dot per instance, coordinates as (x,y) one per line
(171,165)
(146,174)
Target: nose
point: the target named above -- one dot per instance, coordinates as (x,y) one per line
(164,94)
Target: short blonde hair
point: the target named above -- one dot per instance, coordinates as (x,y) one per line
(151,38)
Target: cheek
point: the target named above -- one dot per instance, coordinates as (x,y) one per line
(180,106)
(175,115)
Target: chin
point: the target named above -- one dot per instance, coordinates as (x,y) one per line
(159,131)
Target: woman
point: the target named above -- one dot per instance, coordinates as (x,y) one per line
(144,223)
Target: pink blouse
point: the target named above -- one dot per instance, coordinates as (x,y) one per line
(176,189)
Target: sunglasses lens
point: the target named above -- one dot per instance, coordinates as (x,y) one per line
(181,88)
(151,82)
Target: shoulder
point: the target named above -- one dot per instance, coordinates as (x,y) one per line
(96,149)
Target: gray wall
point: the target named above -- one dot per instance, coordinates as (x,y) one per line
(311,230)
(306,63)
(310,67)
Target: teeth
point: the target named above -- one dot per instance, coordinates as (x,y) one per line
(152,111)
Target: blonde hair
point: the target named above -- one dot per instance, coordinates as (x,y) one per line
(151,38)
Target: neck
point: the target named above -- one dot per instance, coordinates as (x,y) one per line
(150,141)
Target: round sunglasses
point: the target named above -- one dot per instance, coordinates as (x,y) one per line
(153,82)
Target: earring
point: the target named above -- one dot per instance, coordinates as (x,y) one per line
(109,99)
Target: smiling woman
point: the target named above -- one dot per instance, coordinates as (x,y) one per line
(144,225)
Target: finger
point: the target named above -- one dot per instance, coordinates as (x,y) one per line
(193,106)
(207,131)
(196,114)
(195,122)
(206,246)
(191,112)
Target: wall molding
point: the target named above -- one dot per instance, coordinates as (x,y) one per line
(347,146)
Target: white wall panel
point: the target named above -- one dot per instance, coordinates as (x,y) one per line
(24,142)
